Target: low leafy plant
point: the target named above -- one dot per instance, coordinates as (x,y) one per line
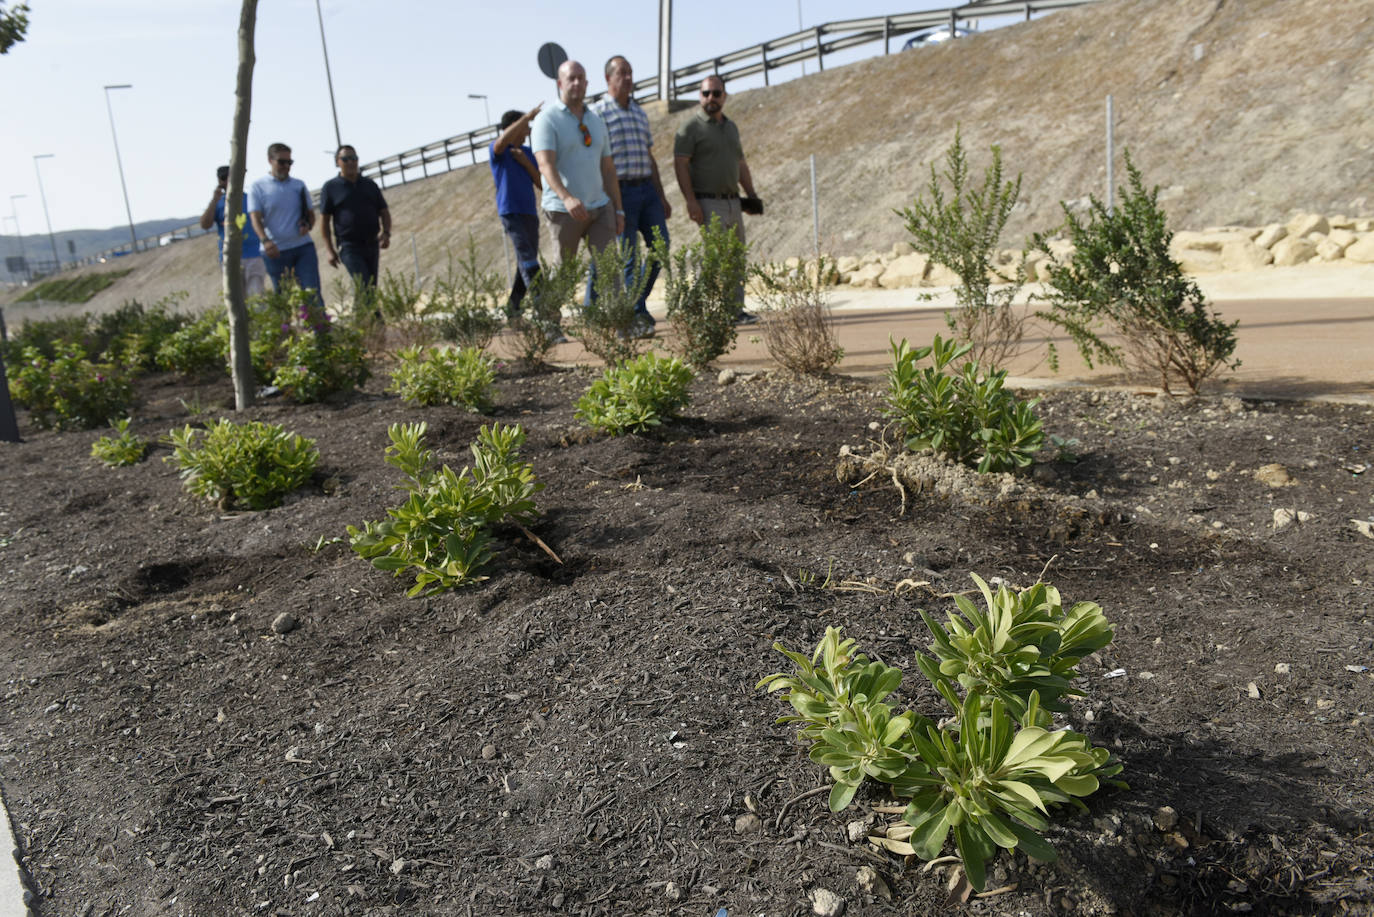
(316,365)
(959,226)
(702,285)
(196,349)
(69,392)
(251,465)
(47,336)
(395,310)
(637,395)
(990,772)
(967,415)
(605,323)
(1121,280)
(442,531)
(124,448)
(795,318)
(1065,448)
(466,303)
(539,324)
(132,334)
(440,375)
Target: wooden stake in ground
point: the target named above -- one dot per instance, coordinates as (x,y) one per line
(241,366)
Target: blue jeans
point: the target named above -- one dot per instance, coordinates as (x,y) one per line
(300,261)
(523,230)
(643,214)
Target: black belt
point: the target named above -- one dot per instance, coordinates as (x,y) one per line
(637,181)
(727,196)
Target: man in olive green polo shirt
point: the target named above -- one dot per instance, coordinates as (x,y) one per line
(709,161)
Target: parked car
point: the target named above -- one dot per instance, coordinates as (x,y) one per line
(935,36)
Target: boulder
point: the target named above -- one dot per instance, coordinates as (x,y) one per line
(940,276)
(1342,237)
(1341,221)
(1293,250)
(906,271)
(1244,256)
(867,276)
(1362,250)
(1304,223)
(870,258)
(902,248)
(1198,260)
(792,263)
(1329,251)
(1206,241)
(846,263)
(1363,226)
(1271,234)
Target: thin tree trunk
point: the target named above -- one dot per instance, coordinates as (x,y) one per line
(241,365)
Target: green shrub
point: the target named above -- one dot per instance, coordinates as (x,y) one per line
(1121,279)
(132,334)
(124,448)
(444,376)
(961,232)
(197,348)
(991,772)
(701,285)
(966,416)
(76,289)
(69,392)
(466,304)
(539,324)
(605,324)
(316,365)
(635,396)
(47,336)
(252,464)
(442,531)
(795,318)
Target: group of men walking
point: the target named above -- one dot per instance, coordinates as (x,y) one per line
(598,179)
(592,167)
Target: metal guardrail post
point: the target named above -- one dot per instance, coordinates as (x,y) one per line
(820,50)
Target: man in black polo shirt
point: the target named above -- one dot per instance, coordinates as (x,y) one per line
(353,212)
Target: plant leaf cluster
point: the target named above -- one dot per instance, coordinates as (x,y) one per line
(69,392)
(702,282)
(989,774)
(466,299)
(441,375)
(795,317)
(1121,280)
(635,396)
(442,532)
(967,415)
(251,465)
(124,448)
(604,323)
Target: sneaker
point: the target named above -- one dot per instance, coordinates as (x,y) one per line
(643,327)
(746,318)
(555,335)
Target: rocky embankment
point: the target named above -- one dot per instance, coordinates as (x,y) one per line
(1305,238)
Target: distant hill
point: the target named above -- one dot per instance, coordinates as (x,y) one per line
(38,248)
(1240,112)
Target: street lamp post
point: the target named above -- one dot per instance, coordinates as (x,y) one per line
(56,261)
(14,215)
(133,237)
(485,107)
(338,139)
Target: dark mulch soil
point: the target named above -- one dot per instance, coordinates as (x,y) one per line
(584,738)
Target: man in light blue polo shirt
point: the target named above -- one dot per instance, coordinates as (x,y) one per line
(581,195)
(282,216)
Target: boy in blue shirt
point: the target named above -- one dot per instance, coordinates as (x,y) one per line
(516,177)
(250,262)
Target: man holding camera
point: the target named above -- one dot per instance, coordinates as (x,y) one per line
(250,262)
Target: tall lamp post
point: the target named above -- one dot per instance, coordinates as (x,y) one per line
(485,107)
(338,140)
(133,238)
(14,215)
(56,261)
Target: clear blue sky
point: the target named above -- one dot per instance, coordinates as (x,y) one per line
(402,74)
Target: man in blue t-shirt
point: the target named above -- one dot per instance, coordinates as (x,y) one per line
(516,177)
(282,215)
(250,262)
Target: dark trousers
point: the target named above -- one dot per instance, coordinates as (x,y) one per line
(361,262)
(523,231)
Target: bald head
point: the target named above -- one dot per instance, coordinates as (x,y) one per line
(572,83)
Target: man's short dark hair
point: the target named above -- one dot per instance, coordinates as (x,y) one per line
(222,173)
(276,148)
(610,63)
(510,118)
(346,146)
(717,77)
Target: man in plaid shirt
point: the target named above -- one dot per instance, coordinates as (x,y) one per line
(641,190)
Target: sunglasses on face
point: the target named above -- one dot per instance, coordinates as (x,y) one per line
(348,159)
(713,93)
(283,162)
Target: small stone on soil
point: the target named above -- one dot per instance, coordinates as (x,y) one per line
(284,623)
(1166,818)
(748,823)
(872,883)
(825,903)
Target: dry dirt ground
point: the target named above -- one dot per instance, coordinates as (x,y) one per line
(581,738)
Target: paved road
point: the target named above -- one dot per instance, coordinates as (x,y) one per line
(1288,348)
